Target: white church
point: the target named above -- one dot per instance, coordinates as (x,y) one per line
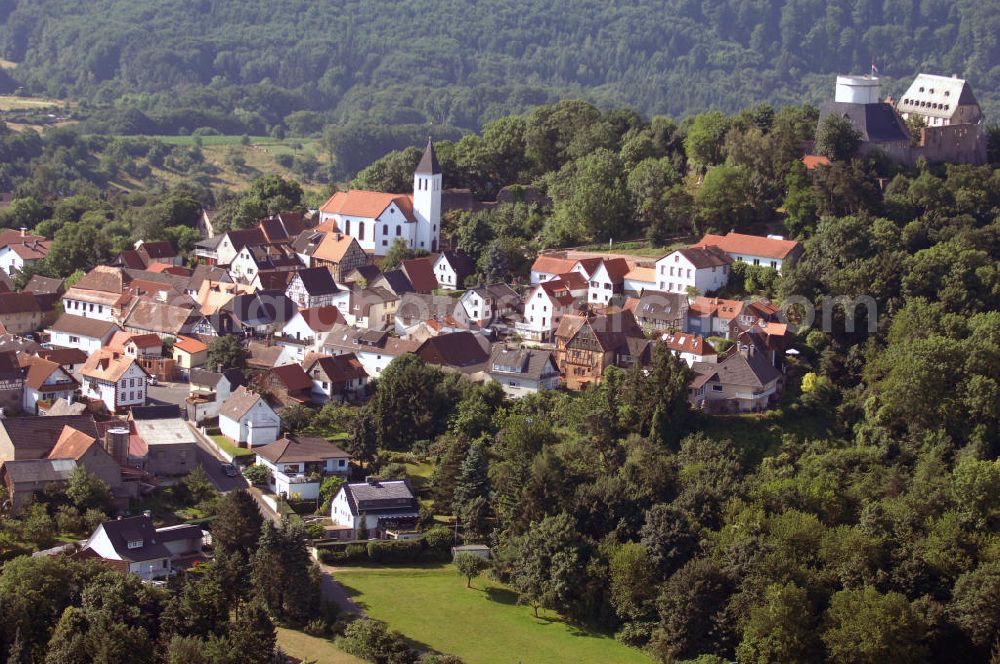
(376,220)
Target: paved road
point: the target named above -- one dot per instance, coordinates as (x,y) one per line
(168,393)
(335,593)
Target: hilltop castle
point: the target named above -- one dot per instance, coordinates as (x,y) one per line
(953,128)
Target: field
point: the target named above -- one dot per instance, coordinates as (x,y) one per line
(312,649)
(431,606)
(15,103)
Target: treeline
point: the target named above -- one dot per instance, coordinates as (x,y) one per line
(256,64)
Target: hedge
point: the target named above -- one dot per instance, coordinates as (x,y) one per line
(432,546)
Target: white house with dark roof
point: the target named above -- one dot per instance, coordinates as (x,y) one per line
(703,268)
(483,304)
(148,552)
(374,509)
(246,418)
(377,220)
(314,287)
(523,371)
(298,465)
(87,334)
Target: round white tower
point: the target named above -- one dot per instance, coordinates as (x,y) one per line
(857,89)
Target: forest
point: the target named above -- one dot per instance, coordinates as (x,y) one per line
(870,496)
(248,66)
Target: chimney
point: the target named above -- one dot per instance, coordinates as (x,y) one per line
(24,231)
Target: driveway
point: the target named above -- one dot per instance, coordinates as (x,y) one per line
(334,592)
(168,393)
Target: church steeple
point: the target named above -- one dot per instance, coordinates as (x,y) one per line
(428,163)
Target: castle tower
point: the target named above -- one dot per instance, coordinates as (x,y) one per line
(427,200)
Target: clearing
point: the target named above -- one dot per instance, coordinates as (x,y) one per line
(15,103)
(432,607)
(313,649)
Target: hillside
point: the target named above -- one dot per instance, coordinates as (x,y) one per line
(255,62)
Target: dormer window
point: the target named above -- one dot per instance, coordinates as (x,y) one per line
(135,544)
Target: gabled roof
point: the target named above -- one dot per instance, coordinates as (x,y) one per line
(368,204)
(265,307)
(455,349)
(292,376)
(527,362)
(40,370)
(30,250)
(190,345)
(63,356)
(878,123)
(33,437)
(246,236)
(239,403)
(317,281)
(293,449)
(611,331)
(685,342)
(658,305)
(120,339)
(753,370)
(159,249)
(18,303)
(103,278)
(548,264)
(334,246)
(420,272)
(397,281)
(207,273)
(322,319)
(161,317)
(39,284)
(28,471)
(716,306)
(135,529)
(643,274)
(750,245)
(558,290)
(282,227)
(339,368)
(72,444)
(377,495)
(428,161)
(103,366)
(274,279)
(460,262)
(84,327)
(936,96)
(705,257)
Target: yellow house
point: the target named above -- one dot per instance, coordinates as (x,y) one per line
(189,353)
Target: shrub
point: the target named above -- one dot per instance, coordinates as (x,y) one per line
(371,640)
(395,551)
(439,542)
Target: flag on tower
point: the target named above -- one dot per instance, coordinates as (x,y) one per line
(874,68)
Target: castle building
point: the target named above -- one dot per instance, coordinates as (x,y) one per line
(377,220)
(953,130)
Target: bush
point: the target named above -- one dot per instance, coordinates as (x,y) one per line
(439,542)
(257,474)
(635,634)
(371,640)
(395,551)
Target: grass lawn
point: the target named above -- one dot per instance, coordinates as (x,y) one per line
(228,446)
(313,649)
(14,103)
(431,606)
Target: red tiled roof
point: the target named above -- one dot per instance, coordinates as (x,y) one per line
(750,245)
(813,160)
(368,204)
(322,319)
(72,444)
(552,264)
(189,345)
(420,272)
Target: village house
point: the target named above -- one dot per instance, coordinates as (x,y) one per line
(135,345)
(375,349)
(163,440)
(96,294)
(247,419)
(395,281)
(256,258)
(34,437)
(700,269)
(372,308)
(548,266)
(25,479)
(457,351)
(419,274)
(163,319)
(286,385)
(640,279)
(118,381)
(415,309)
(544,306)
(689,347)
(712,316)
(45,381)
(189,353)
(314,287)
(139,548)
(523,371)
(20,313)
(89,452)
(325,246)
(485,304)
(657,311)
(607,279)
(208,390)
(772,251)
(586,345)
(20,248)
(306,332)
(264,312)
(375,509)
(378,220)
(337,378)
(451,268)
(741,381)
(297,466)
(231,243)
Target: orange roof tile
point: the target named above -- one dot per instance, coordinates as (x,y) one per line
(190,345)
(552,264)
(813,160)
(750,245)
(72,444)
(368,204)
(334,246)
